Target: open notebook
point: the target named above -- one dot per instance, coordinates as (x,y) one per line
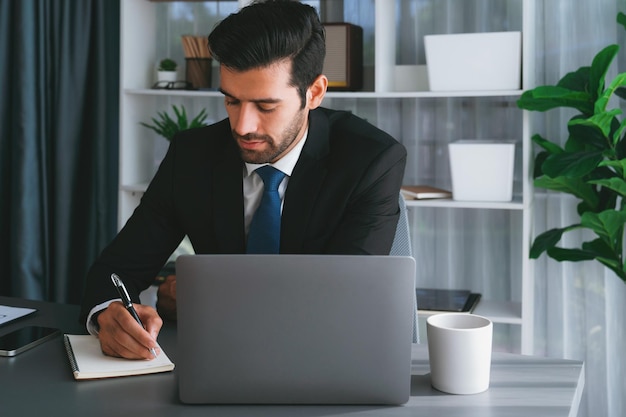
(88,361)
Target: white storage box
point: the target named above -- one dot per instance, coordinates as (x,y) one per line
(474,61)
(482,170)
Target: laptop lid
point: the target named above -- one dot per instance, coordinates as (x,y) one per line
(294,329)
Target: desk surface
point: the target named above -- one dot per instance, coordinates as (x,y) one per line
(40,382)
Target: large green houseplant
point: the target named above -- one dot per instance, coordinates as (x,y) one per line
(591,165)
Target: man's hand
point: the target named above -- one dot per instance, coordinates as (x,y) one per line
(166,298)
(121,336)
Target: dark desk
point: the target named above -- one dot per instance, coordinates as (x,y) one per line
(39,382)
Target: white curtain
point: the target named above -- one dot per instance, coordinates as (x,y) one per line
(578,306)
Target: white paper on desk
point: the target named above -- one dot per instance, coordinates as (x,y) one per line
(88,361)
(8,313)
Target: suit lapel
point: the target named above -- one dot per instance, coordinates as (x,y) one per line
(227,187)
(305,184)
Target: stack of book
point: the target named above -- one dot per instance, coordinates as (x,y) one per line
(431,300)
(423,192)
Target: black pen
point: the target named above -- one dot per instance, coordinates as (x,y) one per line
(121,289)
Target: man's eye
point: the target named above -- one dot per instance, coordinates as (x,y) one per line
(266,109)
(231,102)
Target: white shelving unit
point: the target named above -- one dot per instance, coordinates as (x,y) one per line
(140,149)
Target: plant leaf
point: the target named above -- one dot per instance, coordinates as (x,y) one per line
(548,240)
(618,165)
(574,186)
(599,67)
(548,97)
(584,137)
(571,164)
(576,80)
(601,120)
(621,92)
(621,19)
(181,117)
(601,249)
(605,256)
(571,255)
(199,120)
(616,184)
(539,160)
(603,99)
(608,224)
(577,255)
(617,136)
(551,147)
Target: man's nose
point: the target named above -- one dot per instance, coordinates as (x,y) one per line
(247,119)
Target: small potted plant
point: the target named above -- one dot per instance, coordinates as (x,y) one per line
(167,126)
(167,70)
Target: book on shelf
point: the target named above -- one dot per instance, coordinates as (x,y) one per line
(424,192)
(88,361)
(432,300)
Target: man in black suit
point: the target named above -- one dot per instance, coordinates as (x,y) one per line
(339,195)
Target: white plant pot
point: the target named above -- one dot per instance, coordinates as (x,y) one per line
(482,170)
(169,76)
(474,61)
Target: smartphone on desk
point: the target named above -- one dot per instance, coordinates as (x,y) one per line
(25,338)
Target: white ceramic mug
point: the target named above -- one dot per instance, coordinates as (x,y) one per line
(459,348)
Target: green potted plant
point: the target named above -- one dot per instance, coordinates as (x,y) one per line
(166,70)
(591,165)
(168,126)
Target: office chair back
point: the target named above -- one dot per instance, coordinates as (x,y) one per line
(402,247)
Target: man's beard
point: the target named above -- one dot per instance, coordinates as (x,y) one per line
(275,148)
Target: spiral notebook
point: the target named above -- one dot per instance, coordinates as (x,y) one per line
(88,361)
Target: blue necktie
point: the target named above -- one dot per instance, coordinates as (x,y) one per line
(264,233)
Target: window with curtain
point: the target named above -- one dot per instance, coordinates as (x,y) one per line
(59,71)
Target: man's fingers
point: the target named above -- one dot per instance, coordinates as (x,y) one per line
(120,334)
(151,320)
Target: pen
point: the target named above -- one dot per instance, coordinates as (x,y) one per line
(121,289)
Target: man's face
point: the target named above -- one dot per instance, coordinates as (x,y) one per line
(265,112)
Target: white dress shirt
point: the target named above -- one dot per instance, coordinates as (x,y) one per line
(253,184)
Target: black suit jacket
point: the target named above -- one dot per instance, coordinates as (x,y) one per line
(342,198)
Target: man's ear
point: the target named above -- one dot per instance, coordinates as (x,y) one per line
(316,92)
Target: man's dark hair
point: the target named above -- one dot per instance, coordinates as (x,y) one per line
(268,31)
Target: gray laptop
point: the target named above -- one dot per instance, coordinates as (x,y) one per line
(294,329)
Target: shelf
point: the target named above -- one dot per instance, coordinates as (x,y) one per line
(422,94)
(339,94)
(504,312)
(515,204)
(172,92)
(420,118)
